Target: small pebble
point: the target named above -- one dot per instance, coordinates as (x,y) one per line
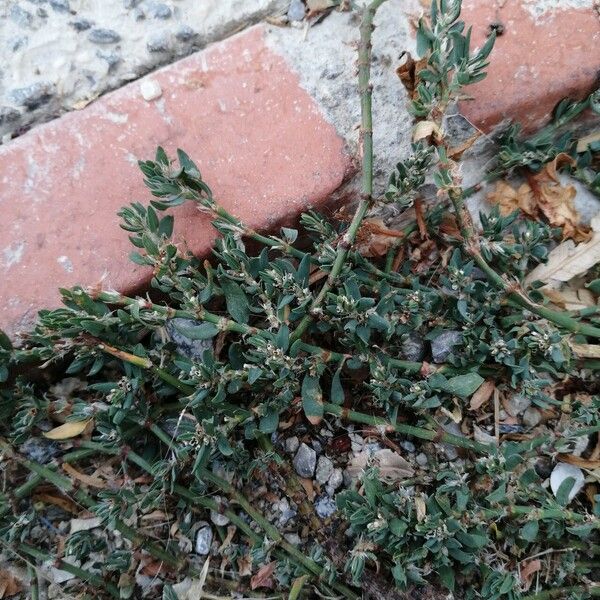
(204,538)
(161,11)
(421,459)
(532,417)
(296,11)
(40,450)
(543,467)
(505,428)
(293,538)
(324,470)
(216,517)
(413,347)
(60,5)
(192,349)
(408,446)
(151,90)
(292,444)
(335,481)
(103,36)
(305,461)
(517,404)
(159,41)
(185,33)
(443,344)
(325,506)
(33,96)
(81,24)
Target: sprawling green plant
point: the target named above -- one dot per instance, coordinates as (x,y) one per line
(188,387)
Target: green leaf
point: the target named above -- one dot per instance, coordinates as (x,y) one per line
(337,395)
(563,491)
(5,342)
(312,399)
(297,587)
(530,530)
(463,386)
(204,331)
(270,421)
(447,577)
(236,299)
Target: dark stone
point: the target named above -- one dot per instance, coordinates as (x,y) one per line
(130,3)
(544,466)
(161,11)
(81,24)
(8,115)
(442,345)
(159,41)
(42,13)
(60,5)
(185,34)
(111,58)
(33,96)
(20,16)
(413,347)
(40,450)
(504,428)
(103,36)
(18,42)
(193,349)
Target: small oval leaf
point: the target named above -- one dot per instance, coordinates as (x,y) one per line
(68,430)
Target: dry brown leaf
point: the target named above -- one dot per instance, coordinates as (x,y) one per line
(244,564)
(586,140)
(568,259)
(578,461)
(482,395)
(309,488)
(457,151)
(264,576)
(585,350)
(375,238)
(64,503)
(68,430)
(392,467)
(89,480)
(427,130)
(527,572)
(316,7)
(9,584)
(421,508)
(510,199)
(570,298)
(408,72)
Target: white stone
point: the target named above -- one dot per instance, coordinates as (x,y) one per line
(561,472)
(150,89)
(324,470)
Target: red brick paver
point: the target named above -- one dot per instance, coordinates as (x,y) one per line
(236,108)
(536,61)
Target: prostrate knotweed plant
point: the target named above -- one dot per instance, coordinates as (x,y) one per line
(182,399)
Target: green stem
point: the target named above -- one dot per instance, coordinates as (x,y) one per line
(82,574)
(65,485)
(366,132)
(418,432)
(33,582)
(270,530)
(471,247)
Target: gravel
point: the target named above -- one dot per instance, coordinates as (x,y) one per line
(517,404)
(532,417)
(443,345)
(324,470)
(413,347)
(305,461)
(325,506)
(204,538)
(192,349)
(103,36)
(296,11)
(292,444)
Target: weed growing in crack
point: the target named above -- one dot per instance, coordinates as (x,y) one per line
(184,394)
